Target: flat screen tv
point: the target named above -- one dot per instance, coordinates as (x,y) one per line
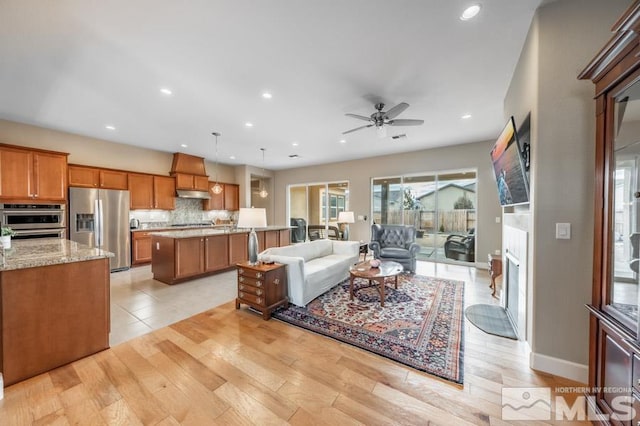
(509,167)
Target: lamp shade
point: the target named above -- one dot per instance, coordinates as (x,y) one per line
(346,217)
(252,218)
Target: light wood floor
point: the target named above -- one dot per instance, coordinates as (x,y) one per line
(230,367)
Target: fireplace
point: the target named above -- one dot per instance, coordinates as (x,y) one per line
(512,289)
(515,286)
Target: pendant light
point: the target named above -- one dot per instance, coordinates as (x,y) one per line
(217,188)
(263,192)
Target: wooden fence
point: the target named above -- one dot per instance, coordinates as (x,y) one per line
(456,221)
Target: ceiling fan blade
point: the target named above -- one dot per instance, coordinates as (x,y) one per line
(405,122)
(357,128)
(359,117)
(396,110)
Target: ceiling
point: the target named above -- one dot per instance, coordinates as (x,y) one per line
(78,66)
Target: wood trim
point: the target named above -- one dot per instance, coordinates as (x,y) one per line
(26,148)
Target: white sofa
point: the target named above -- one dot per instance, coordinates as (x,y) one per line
(314,267)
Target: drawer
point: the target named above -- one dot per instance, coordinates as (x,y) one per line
(250,289)
(250,273)
(250,281)
(251,299)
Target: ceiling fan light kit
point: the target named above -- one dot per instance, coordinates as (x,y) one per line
(381,119)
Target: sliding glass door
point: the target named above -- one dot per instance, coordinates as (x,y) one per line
(441,206)
(318,205)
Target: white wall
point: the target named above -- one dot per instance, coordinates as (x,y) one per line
(563,38)
(360,172)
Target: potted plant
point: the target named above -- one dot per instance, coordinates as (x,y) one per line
(5,236)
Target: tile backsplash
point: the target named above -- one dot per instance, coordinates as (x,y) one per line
(188,210)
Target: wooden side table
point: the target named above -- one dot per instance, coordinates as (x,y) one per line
(263,287)
(495,270)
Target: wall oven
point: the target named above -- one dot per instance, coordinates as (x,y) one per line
(34,220)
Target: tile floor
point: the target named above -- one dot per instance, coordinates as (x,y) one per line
(140,304)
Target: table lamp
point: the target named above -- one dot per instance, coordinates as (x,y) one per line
(252,218)
(344,219)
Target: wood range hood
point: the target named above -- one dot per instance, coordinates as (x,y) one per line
(189,165)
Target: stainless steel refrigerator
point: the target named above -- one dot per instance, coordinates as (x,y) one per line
(100,218)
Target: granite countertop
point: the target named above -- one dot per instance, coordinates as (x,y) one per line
(204,232)
(36,252)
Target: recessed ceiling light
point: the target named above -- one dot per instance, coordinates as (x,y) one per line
(184,145)
(233,157)
(267,95)
(295,144)
(166,91)
(470,12)
(343,141)
(247,124)
(466,116)
(109,127)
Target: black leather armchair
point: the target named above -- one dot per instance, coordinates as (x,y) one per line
(461,247)
(298,230)
(395,242)
(317,232)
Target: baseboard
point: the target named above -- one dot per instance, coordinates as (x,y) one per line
(559,367)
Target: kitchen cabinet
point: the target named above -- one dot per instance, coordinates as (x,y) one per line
(140,191)
(32,175)
(271,239)
(189,257)
(284,237)
(140,247)
(231,197)
(164,193)
(191,182)
(151,192)
(216,252)
(228,199)
(238,247)
(94,177)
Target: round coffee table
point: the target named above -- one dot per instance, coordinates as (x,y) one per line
(377,275)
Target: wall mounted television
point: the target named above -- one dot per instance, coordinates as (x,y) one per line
(509,167)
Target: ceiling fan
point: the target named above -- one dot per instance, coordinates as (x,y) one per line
(382,118)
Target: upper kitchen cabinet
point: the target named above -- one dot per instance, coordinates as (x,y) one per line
(30,175)
(164,192)
(189,172)
(140,191)
(228,199)
(231,197)
(191,182)
(151,192)
(92,177)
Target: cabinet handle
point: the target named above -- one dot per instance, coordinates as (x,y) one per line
(259,300)
(241,271)
(241,286)
(276,281)
(241,294)
(241,279)
(258,274)
(259,292)
(258,283)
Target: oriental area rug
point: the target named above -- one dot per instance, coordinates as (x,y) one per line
(420,325)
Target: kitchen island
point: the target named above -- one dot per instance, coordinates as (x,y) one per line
(54,305)
(183,255)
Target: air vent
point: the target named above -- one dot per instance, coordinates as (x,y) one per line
(402,136)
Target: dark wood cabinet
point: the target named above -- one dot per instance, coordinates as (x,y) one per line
(238,247)
(32,175)
(189,255)
(216,253)
(263,287)
(614,352)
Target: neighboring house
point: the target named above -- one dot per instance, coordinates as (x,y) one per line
(447,196)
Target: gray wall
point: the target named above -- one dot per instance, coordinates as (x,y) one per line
(564,36)
(360,172)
